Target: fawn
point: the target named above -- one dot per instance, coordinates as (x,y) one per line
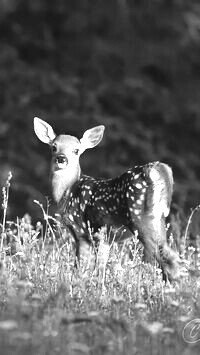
(139,199)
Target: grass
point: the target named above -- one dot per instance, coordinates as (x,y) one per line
(118,306)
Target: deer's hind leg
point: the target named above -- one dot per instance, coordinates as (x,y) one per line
(150,219)
(152,233)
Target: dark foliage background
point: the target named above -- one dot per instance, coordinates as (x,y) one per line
(131,65)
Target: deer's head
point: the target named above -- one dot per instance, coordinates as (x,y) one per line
(66,151)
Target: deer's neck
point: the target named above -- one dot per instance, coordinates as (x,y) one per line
(62,182)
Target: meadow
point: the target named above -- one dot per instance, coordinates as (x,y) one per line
(134,67)
(119,305)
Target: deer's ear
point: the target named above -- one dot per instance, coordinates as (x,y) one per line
(92,137)
(43,131)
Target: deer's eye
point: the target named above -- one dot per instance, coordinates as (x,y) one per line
(54,148)
(76,151)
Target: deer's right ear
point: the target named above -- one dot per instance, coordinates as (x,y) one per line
(43,131)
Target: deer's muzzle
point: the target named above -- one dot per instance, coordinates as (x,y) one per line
(61,159)
(60,162)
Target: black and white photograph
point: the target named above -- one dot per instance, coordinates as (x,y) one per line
(99,177)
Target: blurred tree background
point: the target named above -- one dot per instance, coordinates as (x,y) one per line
(132,65)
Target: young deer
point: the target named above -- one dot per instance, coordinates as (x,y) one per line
(139,199)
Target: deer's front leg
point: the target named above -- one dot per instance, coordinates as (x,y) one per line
(84,251)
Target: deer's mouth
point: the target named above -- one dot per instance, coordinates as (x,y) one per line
(60,162)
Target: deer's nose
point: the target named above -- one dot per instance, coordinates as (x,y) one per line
(61,159)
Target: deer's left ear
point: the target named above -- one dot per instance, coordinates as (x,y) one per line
(92,137)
